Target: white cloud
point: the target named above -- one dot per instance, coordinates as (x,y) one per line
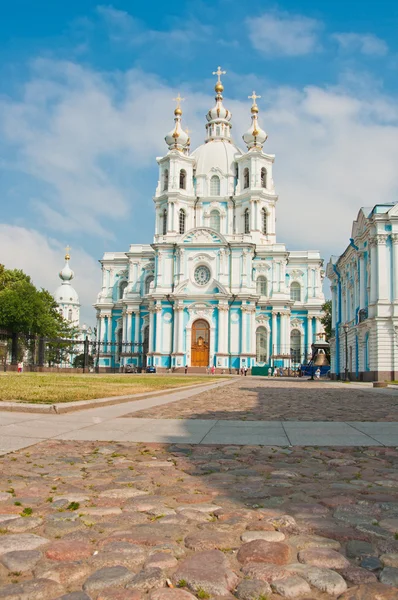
(42,258)
(284,34)
(367,43)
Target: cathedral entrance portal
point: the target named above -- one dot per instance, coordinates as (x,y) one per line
(200,344)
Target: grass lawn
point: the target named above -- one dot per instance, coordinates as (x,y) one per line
(46,388)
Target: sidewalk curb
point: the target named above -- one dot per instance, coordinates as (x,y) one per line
(66,407)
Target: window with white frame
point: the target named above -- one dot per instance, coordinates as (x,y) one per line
(215,186)
(245,177)
(295,346)
(165,179)
(264,221)
(261,345)
(215,220)
(246,219)
(183,179)
(181,221)
(148,282)
(122,287)
(295,291)
(261,285)
(263,177)
(164,221)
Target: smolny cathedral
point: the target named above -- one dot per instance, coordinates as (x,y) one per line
(215,288)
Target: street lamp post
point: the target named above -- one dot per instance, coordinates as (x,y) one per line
(345,328)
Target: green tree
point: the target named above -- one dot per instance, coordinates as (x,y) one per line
(25,310)
(327,318)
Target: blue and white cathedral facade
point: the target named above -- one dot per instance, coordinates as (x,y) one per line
(215,287)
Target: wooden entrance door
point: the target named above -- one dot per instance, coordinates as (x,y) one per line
(200,343)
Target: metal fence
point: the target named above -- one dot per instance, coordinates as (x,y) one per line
(81,353)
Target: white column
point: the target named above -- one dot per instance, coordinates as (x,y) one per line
(382,267)
(180,318)
(151,328)
(222,329)
(310,334)
(318,286)
(102,328)
(274,277)
(253,330)
(362,282)
(373,271)
(309,283)
(394,282)
(136,328)
(158,326)
(283,334)
(274,334)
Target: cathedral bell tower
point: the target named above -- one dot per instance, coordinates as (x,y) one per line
(255,191)
(175,193)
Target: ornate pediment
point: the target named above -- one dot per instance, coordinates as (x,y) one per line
(200,309)
(202,256)
(296,274)
(262,319)
(202,235)
(296,324)
(149,266)
(122,273)
(261,267)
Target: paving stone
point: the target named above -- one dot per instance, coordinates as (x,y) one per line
(391,524)
(372,563)
(101,512)
(211,541)
(370,591)
(23,524)
(323,557)
(113,593)
(34,589)
(325,580)
(291,587)
(21,561)
(389,576)
(122,493)
(268,536)
(264,572)
(172,594)
(209,570)
(252,589)
(65,573)
(161,560)
(283,522)
(74,596)
(301,542)
(389,560)
(107,577)
(276,553)
(357,549)
(69,550)
(147,579)
(204,508)
(23,541)
(357,575)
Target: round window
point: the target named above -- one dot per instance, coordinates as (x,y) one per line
(202,275)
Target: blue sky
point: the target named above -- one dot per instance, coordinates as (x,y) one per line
(86,98)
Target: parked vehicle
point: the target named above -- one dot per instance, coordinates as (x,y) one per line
(150,369)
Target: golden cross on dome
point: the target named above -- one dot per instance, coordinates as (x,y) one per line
(254,97)
(219,72)
(188,131)
(67,250)
(178,100)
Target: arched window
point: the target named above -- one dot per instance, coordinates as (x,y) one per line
(148,282)
(295,291)
(122,287)
(246,217)
(264,221)
(261,285)
(261,345)
(215,220)
(215,186)
(183,179)
(218,130)
(181,220)
(263,177)
(164,223)
(295,346)
(165,179)
(245,178)
(70,314)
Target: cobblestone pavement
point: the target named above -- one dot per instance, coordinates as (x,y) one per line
(123,521)
(254,399)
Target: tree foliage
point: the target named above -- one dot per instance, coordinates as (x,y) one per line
(327,318)
(27,310)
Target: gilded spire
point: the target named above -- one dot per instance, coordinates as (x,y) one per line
(177,139)
(178,110)
(255,136)
(219,88)
(67,255)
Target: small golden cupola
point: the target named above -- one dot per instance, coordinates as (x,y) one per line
(254,137)
(177,138)
(218,118)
